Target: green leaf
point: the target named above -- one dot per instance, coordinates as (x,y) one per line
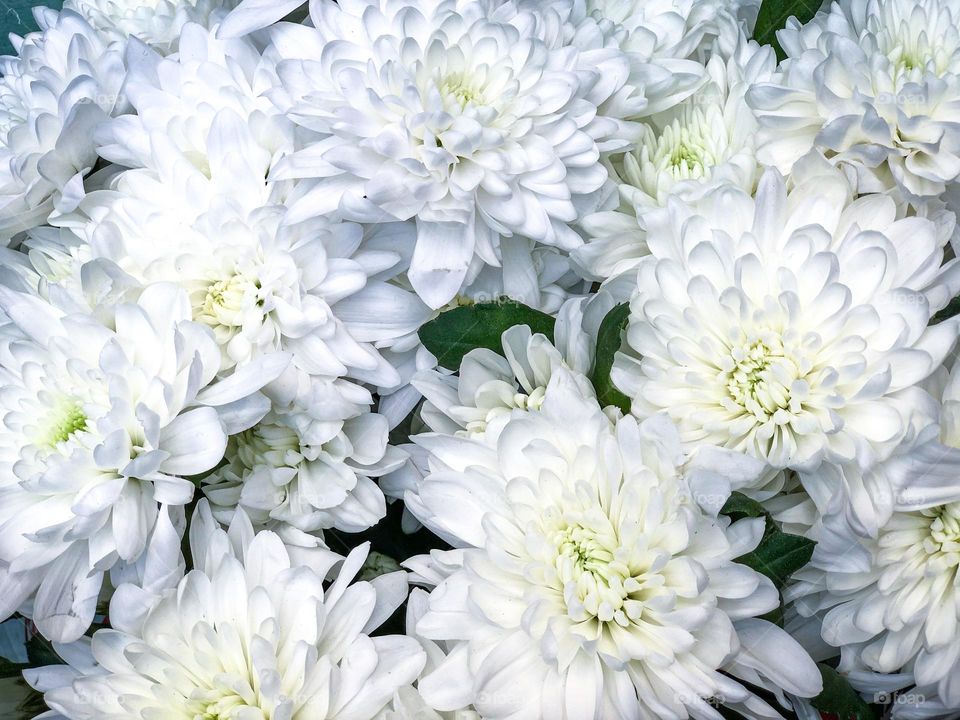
(41,652)
(739,506)
(10,669)
(773,16)
(609,338)
(952,308)
(454,333)
(840,699)
(779,554)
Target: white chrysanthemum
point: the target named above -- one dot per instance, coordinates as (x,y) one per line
(475,118)
(705,141)
(889,598)
(99,426)
(197,210)
(309,461)
(791,327)
(538,276)
(875,83)
(408,703)
(158,23)
(667,41)
(890,604)
(206,109)
(490,385)
(65,81)
(246,635)
(587,584)
(317,289)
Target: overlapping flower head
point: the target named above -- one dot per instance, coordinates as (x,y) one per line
(796,342)
(598,586)
(63,82)
(701,143)
(478,120)
(877,85)
(158,23)
(101,427)
(246,633)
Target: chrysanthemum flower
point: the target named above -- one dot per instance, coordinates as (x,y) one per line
(586,582)
(308,463)
(196,209)
(888,593)
(158,23)
(705,141)
(475,118)
(792,327)
(667,43)
(204,109)
(246,634)
(890,605)
(490,385)
(63,83)
(99,427)
(874,83)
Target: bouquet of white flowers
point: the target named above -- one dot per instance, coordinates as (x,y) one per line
(480,360)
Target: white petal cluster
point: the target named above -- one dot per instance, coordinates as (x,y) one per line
(704,142)
(887,598)
(64,81)
(196,209)
(890,604)
(246,634)
(594,320)
(477,119)
(792,327)
(490,385)
(597,587)
(308,462)
(157,23)
(876,83)
(100,426)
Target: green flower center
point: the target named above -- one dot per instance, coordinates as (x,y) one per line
(759,377)
(225,300)
(225,708)
(461,90)
(64,422)
(945,531)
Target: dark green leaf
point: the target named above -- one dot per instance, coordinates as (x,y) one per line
(609,338)
(840,699)
(41,652)
(454,333)
(779,554)
(774,14)
(10,669)
(952,308)
(739,506)
(19,701)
